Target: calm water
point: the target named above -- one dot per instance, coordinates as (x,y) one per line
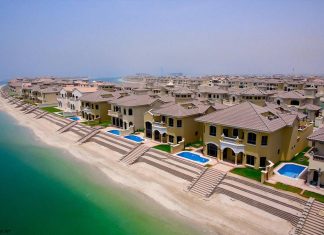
(42,193)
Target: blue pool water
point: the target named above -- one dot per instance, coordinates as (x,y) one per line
(134,138)
(291,170)
(75,118)
(115,132)
(193,156)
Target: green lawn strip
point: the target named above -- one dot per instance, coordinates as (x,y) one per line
(51,109)
(300,158)
(163,147)
(317,196)
(196,144)
(248,172)
(97,123)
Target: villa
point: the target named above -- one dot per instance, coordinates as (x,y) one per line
(94,106)
(315,174)
(249,134)
(129,110)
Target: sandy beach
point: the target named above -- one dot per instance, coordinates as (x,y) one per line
(218,215)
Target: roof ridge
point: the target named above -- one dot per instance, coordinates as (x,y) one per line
(259,116)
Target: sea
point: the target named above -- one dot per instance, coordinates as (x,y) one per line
(44,191)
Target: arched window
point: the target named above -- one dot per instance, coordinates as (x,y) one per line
(278,102)
(251,138)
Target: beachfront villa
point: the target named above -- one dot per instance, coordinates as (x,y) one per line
(248,134)
(175,121)
(129,110)
(315,174)
(94,105)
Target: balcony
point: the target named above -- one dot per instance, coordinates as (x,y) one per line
(114,114)
(236,144)
(159,126)
(317,156)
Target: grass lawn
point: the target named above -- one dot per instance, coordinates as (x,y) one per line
(286,187)
(163,147)
(248,172)
(300,158)
(51,109)
(97,123)
(196,144)
(317,196)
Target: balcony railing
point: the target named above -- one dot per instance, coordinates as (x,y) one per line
(231,140)
(159,124)
(315,154)
(114,114)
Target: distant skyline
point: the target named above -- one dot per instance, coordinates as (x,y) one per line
(118,38)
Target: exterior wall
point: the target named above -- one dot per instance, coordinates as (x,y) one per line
(50,98)
(282,144)
(100,112)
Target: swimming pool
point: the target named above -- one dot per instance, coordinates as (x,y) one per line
(134,138)
(115,132)
(292,170)
(75,118)
(193,157)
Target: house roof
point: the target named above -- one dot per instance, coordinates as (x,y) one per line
(290,95)
(135,100)
(99,96)
(182,109)
(250,116)
(318,135)
(311,107)
(211,89)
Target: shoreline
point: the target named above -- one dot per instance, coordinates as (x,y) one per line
(220,214)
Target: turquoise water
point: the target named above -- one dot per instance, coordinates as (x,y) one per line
(193,156)
(134,138)
(44,193)
(291,170)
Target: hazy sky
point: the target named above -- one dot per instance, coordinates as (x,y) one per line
(111,38)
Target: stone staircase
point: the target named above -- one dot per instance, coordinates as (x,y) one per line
(207,182)
(40,115)
(115,143)
(281,204)
(67,127)
(173,165)
(88,136)
(133,156)
(312,219)
(30,110)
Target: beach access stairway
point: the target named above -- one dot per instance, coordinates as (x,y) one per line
(135,154)
(173,165)
(25,106)
(30,110)
(88,136)
(67,127)
(311,222)
(19,104)
(205,184)
(115,142)
(281,204)
(41,114)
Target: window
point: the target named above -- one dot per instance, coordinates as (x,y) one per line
(171,138)
(92,106)
(250,160)
(235,132)
(130,112)
(209,96)
(171,122)
(179,123)
(212,130)
(97,106)
(263,161)
(163,119)
(225,132)
(264,140)
(179,138)
(124,111)
(251,138)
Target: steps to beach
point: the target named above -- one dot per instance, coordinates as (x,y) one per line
(88,136)
(312,219)
(67,127)
(207,182)
(284,205)
(41,115)
(25,106)
(171,164)
(134,155)
(30,110)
